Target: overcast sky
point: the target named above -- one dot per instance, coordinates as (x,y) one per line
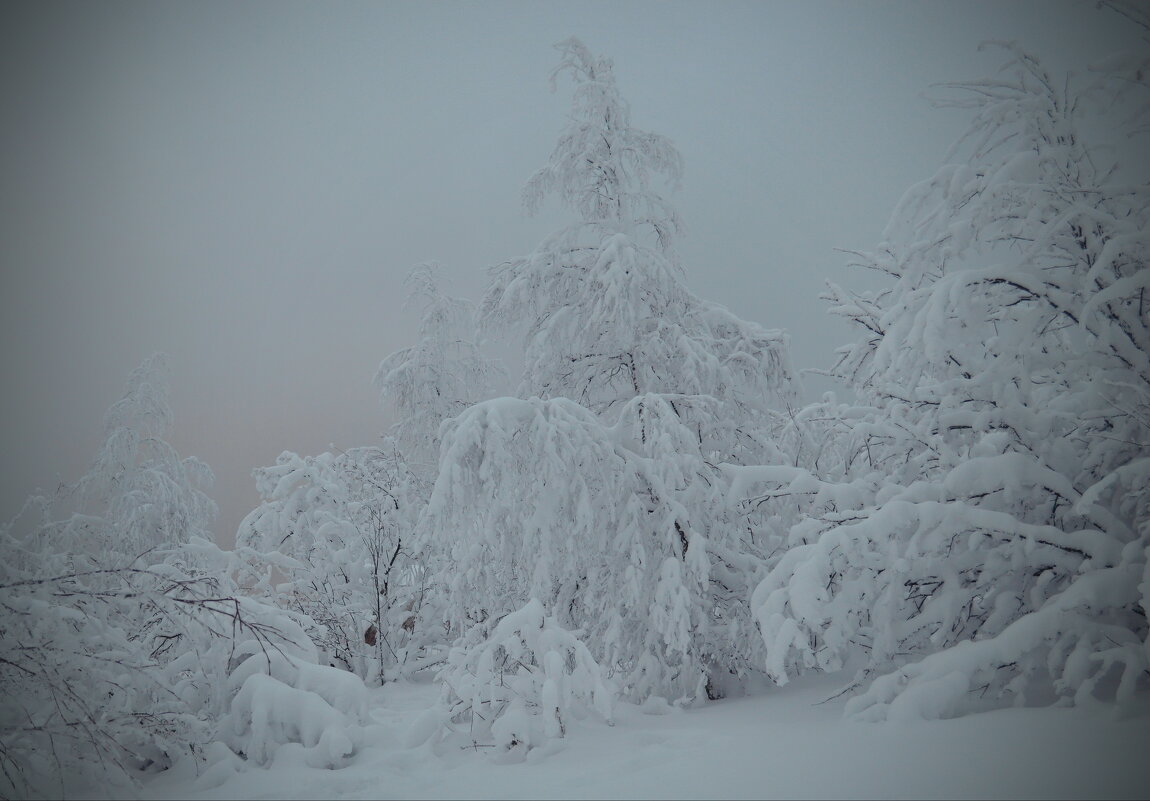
(245,185)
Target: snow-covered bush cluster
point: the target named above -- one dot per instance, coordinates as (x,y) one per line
(279,698)
(652,516)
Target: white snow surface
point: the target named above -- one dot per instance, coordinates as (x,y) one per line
(779,743)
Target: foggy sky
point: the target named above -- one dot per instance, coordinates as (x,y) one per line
(244,186)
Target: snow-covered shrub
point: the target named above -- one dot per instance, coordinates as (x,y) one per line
(124,639)
(118,617)
(82,698)
(339,525)
(119,669)
(517,681)
(999,527)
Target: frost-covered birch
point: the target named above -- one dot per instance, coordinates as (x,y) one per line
(601,495)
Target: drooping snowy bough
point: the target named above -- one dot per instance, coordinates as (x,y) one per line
(997,547)
(537,500)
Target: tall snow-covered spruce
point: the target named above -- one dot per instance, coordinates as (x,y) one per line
(996,547)
(600,490)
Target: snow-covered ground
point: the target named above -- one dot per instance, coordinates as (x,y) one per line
(777,744)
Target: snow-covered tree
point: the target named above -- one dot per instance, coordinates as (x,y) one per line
(139,494)
(607,315)
(338,527)
(619,531)
(439,377)
(602,166)
(997,542)
(602,496)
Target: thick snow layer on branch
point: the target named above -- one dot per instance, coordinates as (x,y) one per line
(1081,651)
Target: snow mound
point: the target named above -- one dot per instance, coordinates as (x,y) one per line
(281,700)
